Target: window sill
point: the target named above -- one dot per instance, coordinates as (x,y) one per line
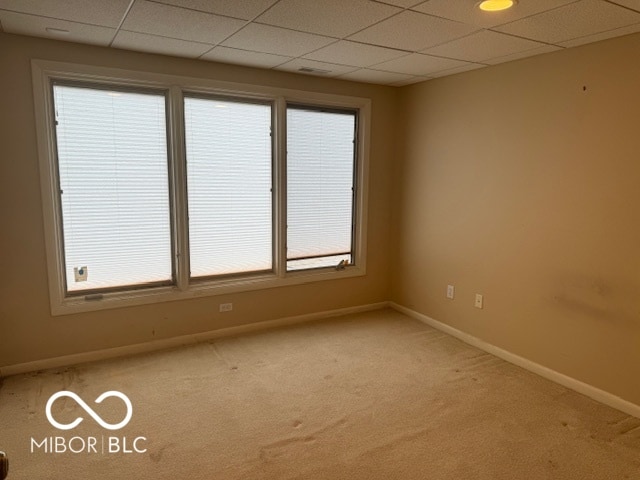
(121,299)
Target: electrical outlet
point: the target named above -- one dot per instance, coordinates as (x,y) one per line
(479,301)
(226,307)
(451,290)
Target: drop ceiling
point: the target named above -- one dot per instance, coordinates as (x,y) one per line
(391,42)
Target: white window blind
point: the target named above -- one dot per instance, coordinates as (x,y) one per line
(114,187)
(320,183)
(228,148)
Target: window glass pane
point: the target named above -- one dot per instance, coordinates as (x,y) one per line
(320,180)
(112,161)
(228,146)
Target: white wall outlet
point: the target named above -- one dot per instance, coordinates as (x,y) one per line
(479,301)
(451,291)
(226,307)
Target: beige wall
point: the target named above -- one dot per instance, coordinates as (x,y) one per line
(27,330)
(512,181)
(522,182)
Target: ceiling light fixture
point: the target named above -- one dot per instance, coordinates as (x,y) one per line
(496,5)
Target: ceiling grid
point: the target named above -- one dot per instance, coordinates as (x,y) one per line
(391,42)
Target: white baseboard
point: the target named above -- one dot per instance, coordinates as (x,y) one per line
(557,377)
(68,360)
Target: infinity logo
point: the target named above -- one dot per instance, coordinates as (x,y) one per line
(89,410)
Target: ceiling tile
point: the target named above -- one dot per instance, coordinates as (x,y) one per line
(152,43)
(467,11)
(572,21)
(602,36)
(168,21)
(482,45)
(634,4)
(108,14)
(375,76)
(412,31)
(452,71)
(268,39)
(352,53)
(418,64)
(336,18)
(23,24)
(245,57)
(525,54)
(326,69)
(244,9)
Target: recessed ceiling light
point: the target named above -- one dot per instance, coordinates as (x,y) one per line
(496,5)
(57,31)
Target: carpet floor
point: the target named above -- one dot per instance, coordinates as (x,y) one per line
(369,396)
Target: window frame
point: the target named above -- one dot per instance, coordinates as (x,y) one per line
(170,185)
(45,72)
(230,98)
(354,182)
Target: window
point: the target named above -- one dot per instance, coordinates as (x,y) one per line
(114,187)
(229,186)
(320,186)
(160,187)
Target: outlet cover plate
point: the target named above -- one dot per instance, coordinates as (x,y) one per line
(479,301)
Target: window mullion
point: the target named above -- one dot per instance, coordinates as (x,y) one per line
(280,186)
(179,188)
